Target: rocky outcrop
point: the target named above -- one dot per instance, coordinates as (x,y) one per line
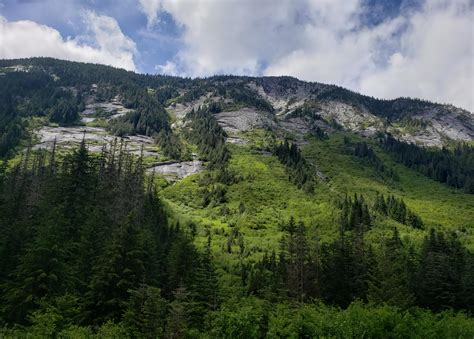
(96,138)
(175,170)
(244,119)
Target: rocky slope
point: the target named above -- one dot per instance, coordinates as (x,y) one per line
(279,103)
(299,106)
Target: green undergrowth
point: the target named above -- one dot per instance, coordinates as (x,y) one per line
(438,205)
(255,206)
(264,198)
(255,318)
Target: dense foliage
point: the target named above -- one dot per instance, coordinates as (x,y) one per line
(89,248)
(367,154)
(452,167)
(355,214)
(29,94)
(86,247)
(11,128)
(209,137)
(299,171)
(438,277)
(397,210)
(147,118)
(82,240)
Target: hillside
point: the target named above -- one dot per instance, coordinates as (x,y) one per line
(127,197)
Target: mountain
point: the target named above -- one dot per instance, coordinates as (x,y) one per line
(298,106)
(156,206)
(292,104)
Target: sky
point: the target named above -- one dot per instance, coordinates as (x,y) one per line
(382,48)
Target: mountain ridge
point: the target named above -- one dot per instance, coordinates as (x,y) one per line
(412,120)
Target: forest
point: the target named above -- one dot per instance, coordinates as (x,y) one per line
(452,167)
(298,169)
(87,247)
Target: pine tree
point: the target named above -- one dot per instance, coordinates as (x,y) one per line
(118,269)
(389,281)
(439,275)
(178,322)
(145,314)
(297,260)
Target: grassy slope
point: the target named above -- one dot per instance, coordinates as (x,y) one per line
(438,205)
(270,199)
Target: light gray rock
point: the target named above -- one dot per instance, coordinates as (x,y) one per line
(95,137)
(244,120)
(175,170)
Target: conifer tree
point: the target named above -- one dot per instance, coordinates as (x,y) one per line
(145,314)
(389,280)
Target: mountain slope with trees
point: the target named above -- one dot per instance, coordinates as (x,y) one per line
(310,214)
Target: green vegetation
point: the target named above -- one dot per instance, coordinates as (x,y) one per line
(299,170)
(453,167)
(437,205)
(209,137)
(397,210)
(366,153)
(253,318)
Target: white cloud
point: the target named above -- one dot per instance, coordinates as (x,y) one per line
(435,59)
(104,43)
(150,8)
(169,68)
(425,53)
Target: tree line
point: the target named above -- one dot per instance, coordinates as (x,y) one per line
(299,171)
(365,151)
(205,132)
(87,248)
(357,215)
(439,276)
(454,167)
(85,240)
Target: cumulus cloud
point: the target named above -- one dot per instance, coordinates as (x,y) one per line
(150,8)
(424,52)
(435,58)
(104,42)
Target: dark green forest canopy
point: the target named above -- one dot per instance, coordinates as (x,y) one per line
(453,167)
(86,240)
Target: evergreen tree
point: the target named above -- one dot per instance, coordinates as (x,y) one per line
(439,275)
(145,314)
(117,271)
(389,281)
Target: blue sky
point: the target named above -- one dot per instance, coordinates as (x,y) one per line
(155,45)
(417,48)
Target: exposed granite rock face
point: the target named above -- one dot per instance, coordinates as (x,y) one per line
(95,137)
(443,122)
(114,108)
(350,117)
(285,93)
(180,110)
(297,126)
(175,170)
(331,106)
(244,119)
